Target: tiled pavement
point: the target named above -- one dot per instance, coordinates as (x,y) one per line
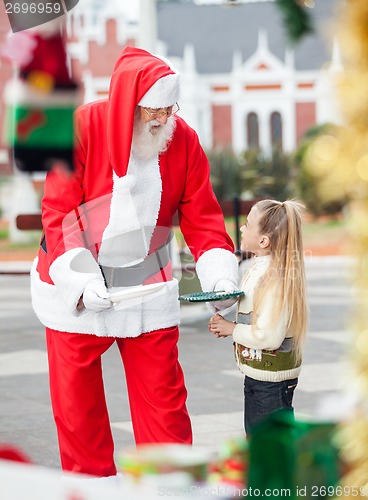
(213,382)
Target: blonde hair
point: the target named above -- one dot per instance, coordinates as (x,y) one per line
(281,222)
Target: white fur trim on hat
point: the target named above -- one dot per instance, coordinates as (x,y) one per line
(163,93)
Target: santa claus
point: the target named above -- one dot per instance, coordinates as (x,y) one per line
(106,229)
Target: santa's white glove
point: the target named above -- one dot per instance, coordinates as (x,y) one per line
(95,296)
(226,286)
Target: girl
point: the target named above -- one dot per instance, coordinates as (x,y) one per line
(271,317)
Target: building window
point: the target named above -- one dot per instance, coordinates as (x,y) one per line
(276,130)
(253,131)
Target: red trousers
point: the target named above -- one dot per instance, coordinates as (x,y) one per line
(156,390)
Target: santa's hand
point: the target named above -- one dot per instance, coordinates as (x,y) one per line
(95,296)
(226,286)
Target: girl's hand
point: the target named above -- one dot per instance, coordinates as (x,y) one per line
(220,327)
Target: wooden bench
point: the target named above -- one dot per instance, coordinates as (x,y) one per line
(29,222)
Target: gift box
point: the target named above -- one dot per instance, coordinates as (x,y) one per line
(294,456)
(40,102)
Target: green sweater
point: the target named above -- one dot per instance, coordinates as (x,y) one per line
(262,352)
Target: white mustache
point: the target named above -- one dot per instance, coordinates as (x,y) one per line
(148,142)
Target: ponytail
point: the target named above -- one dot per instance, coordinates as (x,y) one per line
(282,223)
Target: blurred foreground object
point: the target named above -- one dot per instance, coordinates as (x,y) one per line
(231,466)
(341,162)
(10,452)
(157,459)
(40,100)
(292,455)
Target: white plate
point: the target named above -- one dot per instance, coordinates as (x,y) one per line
(135,291)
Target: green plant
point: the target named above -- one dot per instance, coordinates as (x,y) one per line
(251,174)
(4,233)
(266,177)
(296,18)
(225,173)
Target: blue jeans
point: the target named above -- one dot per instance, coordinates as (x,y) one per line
(262,398)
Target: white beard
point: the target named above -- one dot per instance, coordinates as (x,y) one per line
(151,138)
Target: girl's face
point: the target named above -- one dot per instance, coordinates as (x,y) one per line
(252,240)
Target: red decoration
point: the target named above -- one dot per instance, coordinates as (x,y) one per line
(9,452)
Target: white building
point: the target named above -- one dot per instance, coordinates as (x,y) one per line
(242,84)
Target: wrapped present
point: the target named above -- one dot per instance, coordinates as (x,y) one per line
(294,456)
(40,101)
(162,459)
(231,465)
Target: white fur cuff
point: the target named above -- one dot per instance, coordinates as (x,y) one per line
(215,265)
(71,272)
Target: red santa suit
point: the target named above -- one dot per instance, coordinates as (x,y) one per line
(114,213)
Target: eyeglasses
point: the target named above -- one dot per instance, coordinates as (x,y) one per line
(171,110)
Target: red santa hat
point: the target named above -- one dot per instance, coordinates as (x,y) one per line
(139,78)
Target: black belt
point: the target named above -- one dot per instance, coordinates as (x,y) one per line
(135,275)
